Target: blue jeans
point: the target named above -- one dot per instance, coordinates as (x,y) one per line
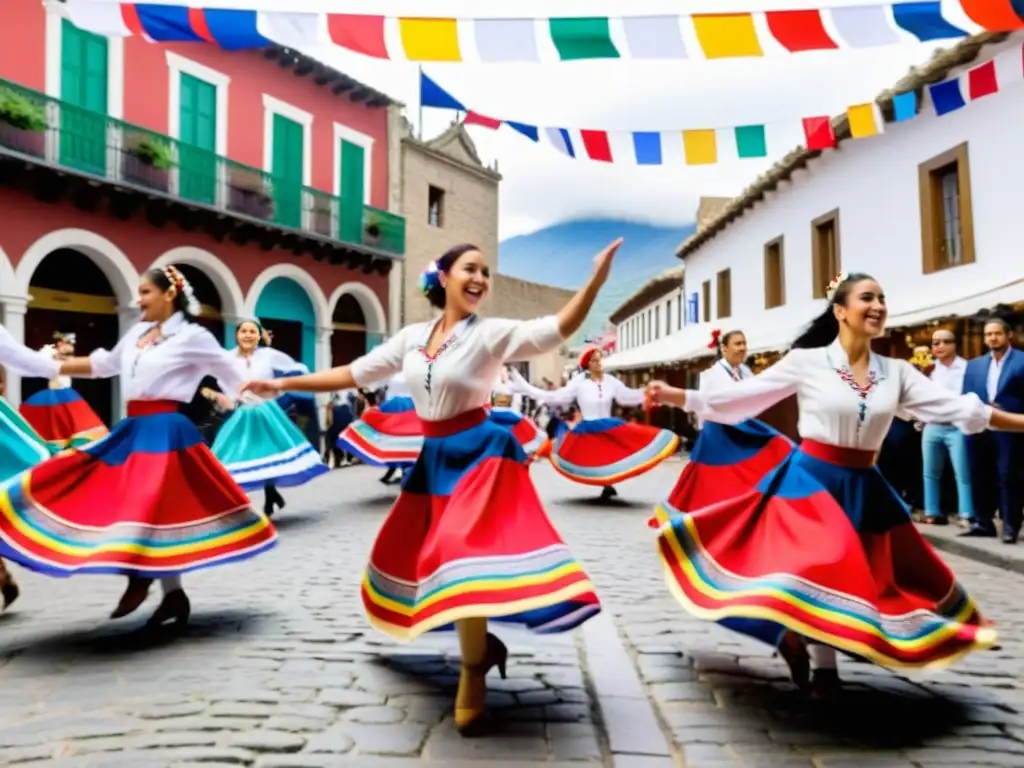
(937,441)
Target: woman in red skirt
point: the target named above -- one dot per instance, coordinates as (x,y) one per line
(467,539)
(820,554)
(149,500)
(601,450)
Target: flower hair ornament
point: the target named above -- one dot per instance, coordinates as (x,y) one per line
(430,278)
(716,339)
(830,292)
(184,287)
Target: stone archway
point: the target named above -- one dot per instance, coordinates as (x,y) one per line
(357,320)
(230,302)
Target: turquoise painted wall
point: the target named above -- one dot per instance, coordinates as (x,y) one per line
(284,299)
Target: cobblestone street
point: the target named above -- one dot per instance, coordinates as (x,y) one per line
(279,668)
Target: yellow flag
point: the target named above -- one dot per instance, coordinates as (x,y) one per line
(430,39)
(727,35)
(864,120)
(700,147)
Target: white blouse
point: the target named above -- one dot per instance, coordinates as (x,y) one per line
(594,398)
(172,368)
(397,387)
(57,382)
(460,376)
(24,361)
(721,374)
(831,409)
(264,361)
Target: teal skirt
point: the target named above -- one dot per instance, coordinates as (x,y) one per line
(20,447)
(259,444)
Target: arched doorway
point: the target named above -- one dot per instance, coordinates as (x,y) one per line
(209,297)
(349,338)
(286,311)
(71,294)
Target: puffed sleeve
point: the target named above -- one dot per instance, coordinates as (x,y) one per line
(24,361)
(515,340)
(557,397)
(280,361)
(383,361)
(924,400)
(626,396)
(206,354)
(750,397)
(104,363)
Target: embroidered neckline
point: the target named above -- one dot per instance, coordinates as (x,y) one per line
(453,340)
(159,339)
(862,391)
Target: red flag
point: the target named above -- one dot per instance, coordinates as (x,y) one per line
(475,118)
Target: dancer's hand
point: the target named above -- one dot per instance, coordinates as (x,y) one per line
(263,387)
(660,392)
(603,261)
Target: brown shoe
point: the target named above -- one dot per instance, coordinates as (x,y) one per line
(8,587)
(175,607)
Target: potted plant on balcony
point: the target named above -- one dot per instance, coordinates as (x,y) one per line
(373,228)
(22,123)
(148,162)
(248,193)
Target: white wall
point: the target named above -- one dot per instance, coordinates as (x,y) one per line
(633,331)
(874,184)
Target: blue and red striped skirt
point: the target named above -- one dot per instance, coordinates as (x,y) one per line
(530,436)
(468,537)
(62,418)
(608,451)
(821,545)
(390,435)
(149,499)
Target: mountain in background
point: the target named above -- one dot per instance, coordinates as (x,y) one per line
(562,256)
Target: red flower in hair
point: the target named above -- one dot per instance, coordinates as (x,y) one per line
(716,336)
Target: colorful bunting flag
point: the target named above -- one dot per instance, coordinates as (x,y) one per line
(706,146)
(503,40)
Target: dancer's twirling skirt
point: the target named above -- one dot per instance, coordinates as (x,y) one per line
(607,451)
(259,444)
(20,447)
(725,457)
(388,436)
(530,436)
(468,537)
(149,499)
(823,546)
(62,418)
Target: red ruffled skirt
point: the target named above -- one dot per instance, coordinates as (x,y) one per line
(468,537)
(388,436)
(530,436)
(822,545)
(62,418)
(149,499)
(608,451)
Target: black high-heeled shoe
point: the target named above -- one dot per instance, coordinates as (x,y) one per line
(825,684)
(135,594)
(8,587)
(794,653)
(175,607)
(471,699)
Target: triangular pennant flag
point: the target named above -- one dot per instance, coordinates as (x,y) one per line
(433,95)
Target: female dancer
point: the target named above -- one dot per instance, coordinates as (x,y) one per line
(467,539)
(259,445)
(149,500)
(59,414)
(601,450)
(821,549)
(20,447)
(725,456)
(504,412)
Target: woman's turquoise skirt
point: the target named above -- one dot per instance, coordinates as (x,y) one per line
(259,444)
(21,447)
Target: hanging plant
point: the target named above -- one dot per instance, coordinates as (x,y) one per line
(21,112)
(155,153)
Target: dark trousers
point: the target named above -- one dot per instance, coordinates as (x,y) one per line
(997,479)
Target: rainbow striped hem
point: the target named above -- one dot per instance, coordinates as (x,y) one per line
(375,447)
(664,445)
(80,439)
(548,583)
(918,639)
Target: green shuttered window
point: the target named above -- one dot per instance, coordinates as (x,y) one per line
(83,89)
(352,192)
(198,133)
(287,169)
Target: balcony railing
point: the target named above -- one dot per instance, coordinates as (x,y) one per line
(89,142)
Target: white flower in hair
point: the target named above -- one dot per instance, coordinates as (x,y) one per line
(838,280)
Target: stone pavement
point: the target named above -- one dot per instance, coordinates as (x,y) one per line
(990,551)
(279,669)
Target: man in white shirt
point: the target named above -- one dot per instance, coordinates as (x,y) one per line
(940,441)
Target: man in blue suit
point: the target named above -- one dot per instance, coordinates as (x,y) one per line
(997,458)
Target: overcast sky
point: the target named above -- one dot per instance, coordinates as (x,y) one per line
(542,187)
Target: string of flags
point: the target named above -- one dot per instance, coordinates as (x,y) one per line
(508,40)
(706,146)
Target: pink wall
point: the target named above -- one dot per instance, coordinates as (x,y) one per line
(22,43)
(147,100)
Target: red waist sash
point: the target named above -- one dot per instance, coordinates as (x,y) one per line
(454,425)
(138,408)
(854,458)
